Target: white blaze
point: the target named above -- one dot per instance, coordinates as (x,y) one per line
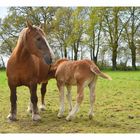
(51,51)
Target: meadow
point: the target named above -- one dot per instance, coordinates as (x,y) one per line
(117,108)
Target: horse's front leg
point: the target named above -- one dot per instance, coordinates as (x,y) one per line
(80,97)
(61,97)
(43,91)
(34,100)
(13,99)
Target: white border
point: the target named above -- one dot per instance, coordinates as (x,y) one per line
(69,2)
(7,3)
(69,136)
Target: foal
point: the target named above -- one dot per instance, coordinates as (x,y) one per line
(80,73)
(28,65)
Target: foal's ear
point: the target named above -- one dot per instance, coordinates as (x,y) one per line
(29,24)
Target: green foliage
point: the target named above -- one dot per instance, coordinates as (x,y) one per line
(12,25)
(74,31)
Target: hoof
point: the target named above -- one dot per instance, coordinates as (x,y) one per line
(59,115)
(42,107)
(91,116)
(11,117)
(36,117)
(29,110)
(68,118)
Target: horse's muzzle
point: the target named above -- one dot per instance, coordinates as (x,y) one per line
(48,59)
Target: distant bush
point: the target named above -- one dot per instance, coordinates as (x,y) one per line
(2,68)
(120,67)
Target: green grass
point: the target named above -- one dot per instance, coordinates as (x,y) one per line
(117,108)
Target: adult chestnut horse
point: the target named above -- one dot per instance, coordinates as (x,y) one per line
(28,65)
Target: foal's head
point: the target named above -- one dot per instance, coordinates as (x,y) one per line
(36,43)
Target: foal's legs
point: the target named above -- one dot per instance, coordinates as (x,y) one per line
(80,97)
(92,96)
(61,97)
(43,91)
(34,100)
(13,99)
(69,98)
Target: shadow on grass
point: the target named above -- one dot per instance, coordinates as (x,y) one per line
(51,124)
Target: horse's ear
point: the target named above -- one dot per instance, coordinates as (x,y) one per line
(29,24)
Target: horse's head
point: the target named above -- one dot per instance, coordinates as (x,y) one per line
(36,43)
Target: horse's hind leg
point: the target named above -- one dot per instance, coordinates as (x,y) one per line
(43,91)
(34,100)
(13,99)
(92,96)
(69,98)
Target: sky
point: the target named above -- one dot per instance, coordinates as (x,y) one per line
(3,12)
(69,3)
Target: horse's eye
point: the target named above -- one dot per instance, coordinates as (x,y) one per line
(38,39)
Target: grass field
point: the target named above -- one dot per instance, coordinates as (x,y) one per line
(117,108)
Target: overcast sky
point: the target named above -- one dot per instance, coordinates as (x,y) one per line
(3,12)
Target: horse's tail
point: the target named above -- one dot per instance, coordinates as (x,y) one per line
(96,71)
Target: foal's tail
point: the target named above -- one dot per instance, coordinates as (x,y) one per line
(96,71)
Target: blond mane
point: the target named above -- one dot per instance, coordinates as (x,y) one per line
(22,38)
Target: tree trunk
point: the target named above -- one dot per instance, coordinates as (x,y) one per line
(75,55)
(114,57)
(91,53)
(98,44)
(132,47)
(65,51)
(133,54)
(95,60)
(92,46)
(72,54)
(75,51)
(115,41)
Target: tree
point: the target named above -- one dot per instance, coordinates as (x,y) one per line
(61,29)
(15,21)
(2,63)
(77,30)
(131,31)
(114,26)
(94,31)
